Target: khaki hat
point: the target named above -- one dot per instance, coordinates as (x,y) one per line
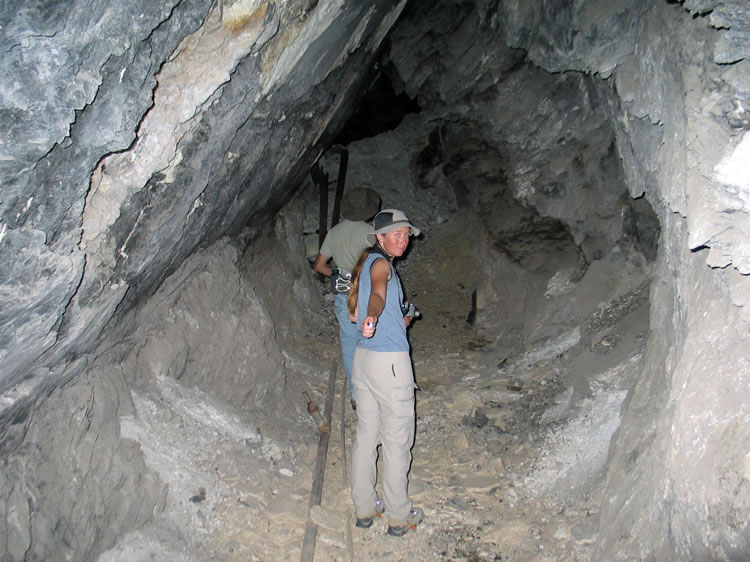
(387,220)
(360,204)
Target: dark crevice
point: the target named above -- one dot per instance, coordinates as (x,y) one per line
(379,110)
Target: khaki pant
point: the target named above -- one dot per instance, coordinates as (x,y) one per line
(384,391)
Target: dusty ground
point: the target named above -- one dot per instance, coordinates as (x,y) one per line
(508,457)
(507,463)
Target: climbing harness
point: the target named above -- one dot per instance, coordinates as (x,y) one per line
(340,280)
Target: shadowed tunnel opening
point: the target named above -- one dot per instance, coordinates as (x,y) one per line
(380,109)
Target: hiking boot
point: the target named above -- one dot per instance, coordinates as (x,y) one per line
(416,516)
(366,522)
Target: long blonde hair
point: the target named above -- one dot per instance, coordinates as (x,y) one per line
(353,298)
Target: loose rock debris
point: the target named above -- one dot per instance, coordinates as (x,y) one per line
(507,464)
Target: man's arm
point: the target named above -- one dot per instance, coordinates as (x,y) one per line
(321,265)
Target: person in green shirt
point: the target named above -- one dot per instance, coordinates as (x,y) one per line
(344,243)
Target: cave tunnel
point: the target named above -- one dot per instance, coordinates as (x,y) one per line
(579,172)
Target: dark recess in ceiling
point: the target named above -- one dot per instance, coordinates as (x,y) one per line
(379,110)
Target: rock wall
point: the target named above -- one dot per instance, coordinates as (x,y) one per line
(139,135)
(224,321)
(70,485)
(592,115)
(207,327)
(676,487)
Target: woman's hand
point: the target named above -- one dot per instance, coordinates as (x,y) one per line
(368,326)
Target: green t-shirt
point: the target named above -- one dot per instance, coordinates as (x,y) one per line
(345,243)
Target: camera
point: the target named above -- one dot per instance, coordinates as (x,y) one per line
(410,310)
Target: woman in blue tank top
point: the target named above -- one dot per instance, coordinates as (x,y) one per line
(383,381)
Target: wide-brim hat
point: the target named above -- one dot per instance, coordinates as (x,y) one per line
(360,204)
(387,220)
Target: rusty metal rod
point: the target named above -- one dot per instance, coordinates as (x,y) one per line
(340,182)
(311,529)
(320,178)
(348,524)
(343,432)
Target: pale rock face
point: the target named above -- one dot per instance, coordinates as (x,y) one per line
(151,156)
(173,117)
(135,135)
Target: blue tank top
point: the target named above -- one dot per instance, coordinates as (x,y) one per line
(390,332)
